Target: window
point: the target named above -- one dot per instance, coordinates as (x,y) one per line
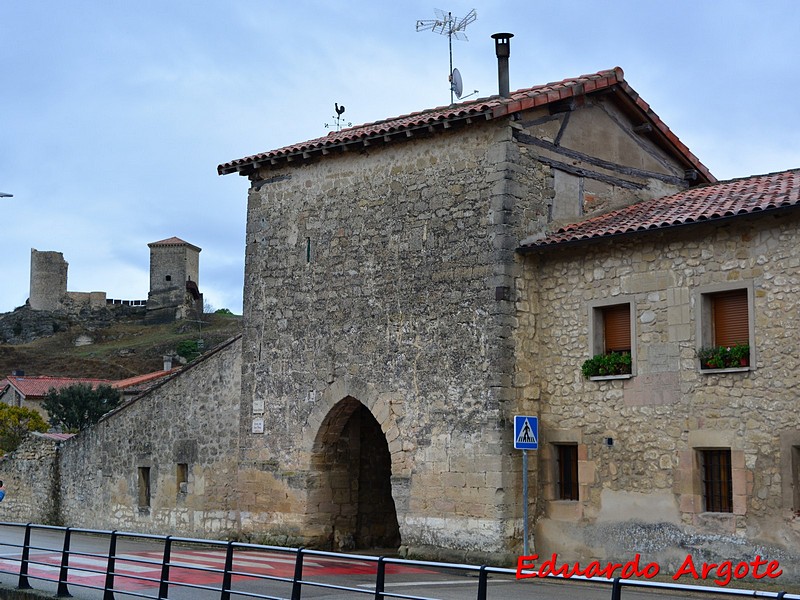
(717,480)
(611,327)
(566,471)
(729,314)
(725,327)
(182,477)
(144,487)
(168,278)
(611,331)
(616,328)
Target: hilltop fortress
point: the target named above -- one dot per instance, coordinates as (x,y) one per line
(174,276)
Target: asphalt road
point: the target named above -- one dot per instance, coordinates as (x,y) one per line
(196,574)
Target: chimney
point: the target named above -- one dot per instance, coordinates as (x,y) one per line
(503,50)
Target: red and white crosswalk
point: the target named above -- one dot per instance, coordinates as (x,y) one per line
(140,570)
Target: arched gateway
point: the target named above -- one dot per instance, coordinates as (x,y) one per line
(351,499)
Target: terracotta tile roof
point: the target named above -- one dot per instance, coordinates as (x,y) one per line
(37,386)
(470,111)
(140,380)
(721,200)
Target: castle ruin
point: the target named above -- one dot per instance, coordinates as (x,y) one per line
(174,293)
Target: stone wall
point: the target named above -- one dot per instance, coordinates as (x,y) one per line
(190,420)
(48,280)
(387,277)
(373,277)
(642,493)
(30,475)
(171,267)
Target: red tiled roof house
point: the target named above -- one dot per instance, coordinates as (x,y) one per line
(696,438)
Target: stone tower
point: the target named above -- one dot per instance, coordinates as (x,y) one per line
(48,280)
(174,278)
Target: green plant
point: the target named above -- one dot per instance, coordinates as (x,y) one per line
(724,357)
(79,406)
(189,349)
(15,423)
(613,363)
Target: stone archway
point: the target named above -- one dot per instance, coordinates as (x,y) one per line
(351,497)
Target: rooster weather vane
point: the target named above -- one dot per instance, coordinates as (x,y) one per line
(339,112)
(452,27)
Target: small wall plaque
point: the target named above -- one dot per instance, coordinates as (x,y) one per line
(258,407)
(258,425)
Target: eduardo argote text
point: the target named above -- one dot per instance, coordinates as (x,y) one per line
(720,573)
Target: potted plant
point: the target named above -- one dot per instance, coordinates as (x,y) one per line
(724,357)
(605,365)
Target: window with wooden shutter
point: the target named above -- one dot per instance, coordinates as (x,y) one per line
(617,328)
(731,324)
(717,480)
(567,475)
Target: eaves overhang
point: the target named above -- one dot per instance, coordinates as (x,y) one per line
(773,193)
(528,249)
(442,119)
(354,141)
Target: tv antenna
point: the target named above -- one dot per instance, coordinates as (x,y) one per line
(452,27)
(339,112)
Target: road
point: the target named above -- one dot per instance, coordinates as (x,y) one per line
(138,571)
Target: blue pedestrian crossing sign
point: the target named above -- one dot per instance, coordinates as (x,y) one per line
(526,433)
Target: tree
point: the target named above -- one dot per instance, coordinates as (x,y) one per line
(78,406)
(15,423)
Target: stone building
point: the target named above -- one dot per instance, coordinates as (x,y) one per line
(48,289)
(413,284)
(174,284)
(381,345)
(680,454)
(174,281)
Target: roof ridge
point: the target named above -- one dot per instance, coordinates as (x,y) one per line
(491,107)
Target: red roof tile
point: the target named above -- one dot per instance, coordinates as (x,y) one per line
(139,380)
(479,109)
(39,385)
(700,204)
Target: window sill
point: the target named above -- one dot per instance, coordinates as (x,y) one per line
(728,370)
(610,377)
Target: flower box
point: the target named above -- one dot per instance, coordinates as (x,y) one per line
(725,357)
(605,365)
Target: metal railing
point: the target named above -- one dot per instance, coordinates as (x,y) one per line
(123,571)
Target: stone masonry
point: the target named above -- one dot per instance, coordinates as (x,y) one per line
(643,493)
(178,440)
(385,277)
(394,325)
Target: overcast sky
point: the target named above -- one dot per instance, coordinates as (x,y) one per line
(115,114)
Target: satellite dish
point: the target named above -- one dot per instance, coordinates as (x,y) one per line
(456,85)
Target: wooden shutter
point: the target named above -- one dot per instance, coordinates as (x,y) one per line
(717,480)
(567,472)
(617,328)
(731,325)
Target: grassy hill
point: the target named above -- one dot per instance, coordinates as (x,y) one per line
(120,350)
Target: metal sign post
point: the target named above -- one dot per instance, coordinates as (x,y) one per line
(525,502)
(526,437)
